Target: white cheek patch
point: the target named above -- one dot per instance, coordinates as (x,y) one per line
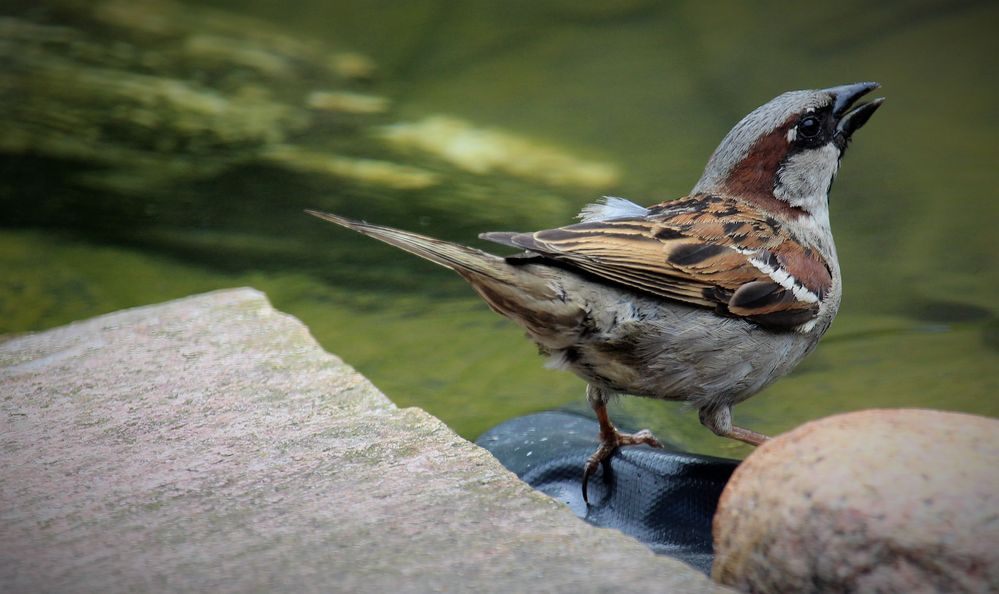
(804,179)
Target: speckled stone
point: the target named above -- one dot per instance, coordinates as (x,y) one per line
(872,501)
(210,445)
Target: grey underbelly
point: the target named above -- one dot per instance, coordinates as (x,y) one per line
(677,352)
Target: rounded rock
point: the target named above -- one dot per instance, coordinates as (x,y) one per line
(872,501)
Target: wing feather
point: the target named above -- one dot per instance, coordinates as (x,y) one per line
(706,251)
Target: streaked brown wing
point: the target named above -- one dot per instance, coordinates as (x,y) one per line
(704,251)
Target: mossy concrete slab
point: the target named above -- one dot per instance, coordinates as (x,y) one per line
(209,444)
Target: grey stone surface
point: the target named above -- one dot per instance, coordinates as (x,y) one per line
(209,444)
(902,500)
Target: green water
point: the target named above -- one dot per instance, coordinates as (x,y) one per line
(100,217)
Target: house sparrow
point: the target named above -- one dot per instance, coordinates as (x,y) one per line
(706,299)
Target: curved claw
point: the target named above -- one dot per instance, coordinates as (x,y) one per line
(610,441)
(603,452)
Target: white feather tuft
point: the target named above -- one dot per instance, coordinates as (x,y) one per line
(611,207)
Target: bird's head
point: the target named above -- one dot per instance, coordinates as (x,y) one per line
(784,155)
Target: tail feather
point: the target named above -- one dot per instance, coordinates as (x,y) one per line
(524,293)
(460,258)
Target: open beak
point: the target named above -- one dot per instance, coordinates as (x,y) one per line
(851,120)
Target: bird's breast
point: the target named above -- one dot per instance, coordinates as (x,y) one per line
(660,349)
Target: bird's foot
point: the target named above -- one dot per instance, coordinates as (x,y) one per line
(610,441)
(719,420)
(747,436)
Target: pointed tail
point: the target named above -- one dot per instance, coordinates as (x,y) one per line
(525,293)
(461,259)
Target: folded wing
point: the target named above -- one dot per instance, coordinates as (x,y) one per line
(704,250)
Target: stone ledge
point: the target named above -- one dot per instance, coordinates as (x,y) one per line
(210,444)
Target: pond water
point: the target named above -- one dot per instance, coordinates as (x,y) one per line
(154,150)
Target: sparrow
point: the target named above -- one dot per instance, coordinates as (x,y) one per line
(705,299)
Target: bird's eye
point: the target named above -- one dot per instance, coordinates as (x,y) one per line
(809,127)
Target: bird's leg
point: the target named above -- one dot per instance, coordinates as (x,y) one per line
(719,421)
(610,437)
